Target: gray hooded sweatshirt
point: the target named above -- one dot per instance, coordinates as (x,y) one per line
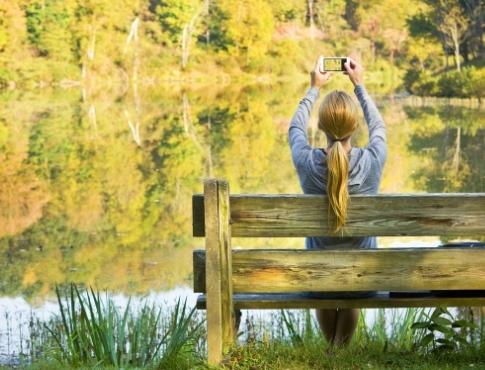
(365,164)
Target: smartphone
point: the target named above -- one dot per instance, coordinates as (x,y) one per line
(335,64)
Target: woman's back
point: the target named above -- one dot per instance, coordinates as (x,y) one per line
(364,164)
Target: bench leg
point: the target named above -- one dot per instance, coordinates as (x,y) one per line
(220,311)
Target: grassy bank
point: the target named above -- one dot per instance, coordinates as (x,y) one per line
(314,355)
(392,341)
(281,355)
(91,331)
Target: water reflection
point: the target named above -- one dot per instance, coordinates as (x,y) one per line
(19,327)
(99,192)
(451,141)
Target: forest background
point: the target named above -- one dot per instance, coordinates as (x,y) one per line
(422,47)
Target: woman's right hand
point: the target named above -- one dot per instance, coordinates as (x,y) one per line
(319,78)
(355,71)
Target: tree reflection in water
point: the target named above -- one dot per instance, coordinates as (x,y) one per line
(99,192)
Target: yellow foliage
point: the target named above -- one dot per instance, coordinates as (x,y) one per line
(30,277)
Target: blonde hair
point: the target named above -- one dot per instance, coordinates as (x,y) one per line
(338,118)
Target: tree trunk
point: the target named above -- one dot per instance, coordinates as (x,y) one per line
(310,16)
(479,32)
(465,52)
(456,155)
(185,52)
(457,56)
(207,12)
(456,43)
(187,34)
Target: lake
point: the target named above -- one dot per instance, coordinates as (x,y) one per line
(97,190)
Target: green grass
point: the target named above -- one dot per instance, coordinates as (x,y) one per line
(92,332)
(315,354)
(293,341)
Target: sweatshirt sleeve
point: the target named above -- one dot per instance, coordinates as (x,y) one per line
(297,133)
(377,129)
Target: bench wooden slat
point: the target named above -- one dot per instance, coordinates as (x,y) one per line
(220,312)
(294,270)
(381,300)
(379,215)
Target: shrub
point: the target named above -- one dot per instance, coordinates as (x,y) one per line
(422,83)
(455,83)
(467,83)
(477,88)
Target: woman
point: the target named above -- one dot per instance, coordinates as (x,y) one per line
(338,170)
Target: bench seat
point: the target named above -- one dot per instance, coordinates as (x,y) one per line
(379,300)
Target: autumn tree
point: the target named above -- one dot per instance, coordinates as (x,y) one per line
(248,26)
(445,20)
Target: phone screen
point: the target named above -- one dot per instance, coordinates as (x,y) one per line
(333,64)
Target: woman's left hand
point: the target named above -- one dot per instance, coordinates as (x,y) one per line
(318,78)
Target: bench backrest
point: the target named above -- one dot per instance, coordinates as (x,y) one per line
(377,215)
(217,215)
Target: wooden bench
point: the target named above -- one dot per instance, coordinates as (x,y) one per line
(278,278)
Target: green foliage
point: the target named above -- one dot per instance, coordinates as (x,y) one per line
(4,135)
(441,332)
(384,25)
(290,51)
(94,330)
(422,83)
(288,10)
(299,328)
(248,26)
(467,83)
(383,77)
(391,329)
(48,25)
(92,43)
(6,75)
(3,31)
(455,83)
(173,15)
(421,25)
(386,343)
(423,54)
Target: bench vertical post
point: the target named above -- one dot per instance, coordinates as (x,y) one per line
(220,311)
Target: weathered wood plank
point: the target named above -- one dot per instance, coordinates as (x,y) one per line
(379,215)
(220,311)
(284,270)
(198,212)
(381,300)
(198,268)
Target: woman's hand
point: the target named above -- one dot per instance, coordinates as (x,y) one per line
(318,79)
(355,71)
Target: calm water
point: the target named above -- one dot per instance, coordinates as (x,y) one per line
(98,191)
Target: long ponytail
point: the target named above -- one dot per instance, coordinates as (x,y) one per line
(337,190)
(337,117)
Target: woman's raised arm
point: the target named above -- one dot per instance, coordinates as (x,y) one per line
(297,133)
(377,129)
